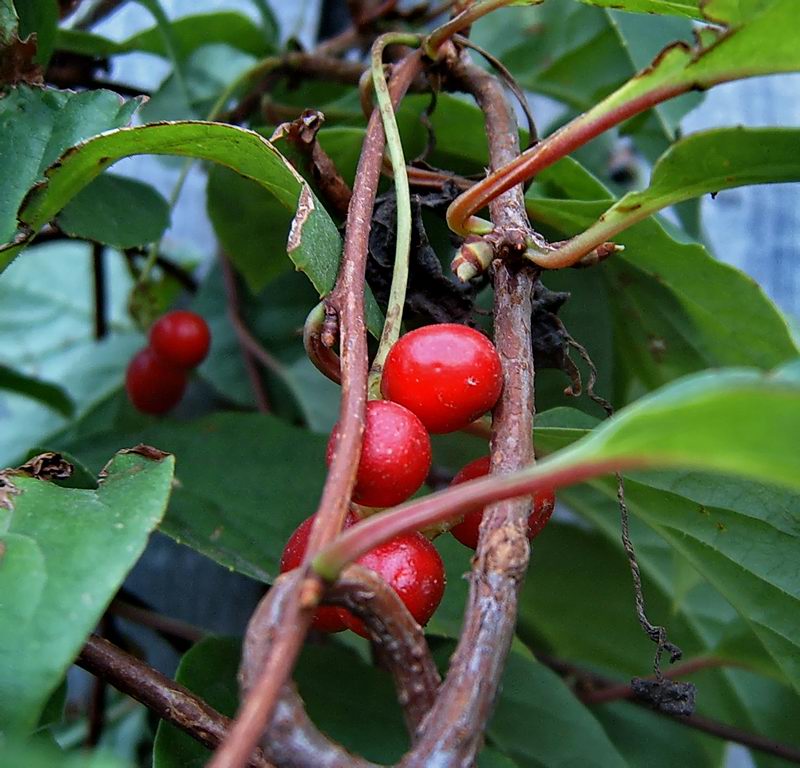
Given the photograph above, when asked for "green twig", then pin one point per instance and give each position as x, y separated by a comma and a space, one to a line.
397, 294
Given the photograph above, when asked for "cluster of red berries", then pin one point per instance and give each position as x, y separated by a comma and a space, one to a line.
436, 379
157, 375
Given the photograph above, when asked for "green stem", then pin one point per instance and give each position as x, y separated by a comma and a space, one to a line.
397, 294
458, 500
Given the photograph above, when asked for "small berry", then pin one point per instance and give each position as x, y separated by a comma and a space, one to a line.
327, 618
448, 375
467, 530
395, 455
153, 385
182, 338
411, 566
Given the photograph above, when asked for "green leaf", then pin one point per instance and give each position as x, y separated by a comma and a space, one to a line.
50, 394
65, 553
579, 55
675, 308
538, 720
46, 332
208, 669
40, 18
762, 44
250, 224
117, 211
688, 8
648, 740
9, 22
705, 162
189, 33
40, 754
245, 531
314, 244
559, 614
36, 126
329, 678
735, 421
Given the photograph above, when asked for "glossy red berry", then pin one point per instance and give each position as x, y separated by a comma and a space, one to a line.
448, 375
411, 566
327, 618
467, 530
153, 385
395, 455
181, 338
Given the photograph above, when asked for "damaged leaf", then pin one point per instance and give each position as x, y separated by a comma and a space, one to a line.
67, 551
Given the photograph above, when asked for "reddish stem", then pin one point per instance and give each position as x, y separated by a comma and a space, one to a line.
567, 139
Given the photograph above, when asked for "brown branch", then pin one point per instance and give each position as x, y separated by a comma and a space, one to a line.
288, 607
164, 625
100, 291
166, 698
453, 731
625, 690
252, 350
397, 639
588, 685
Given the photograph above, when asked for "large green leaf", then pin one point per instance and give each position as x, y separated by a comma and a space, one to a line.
314, 244
65, 552
704, 162
579, 55
332, 681
675, 308
760, 41
251, 225
46, 332
190, 33
208, 669
40, 18
735, 421
744, 546
538, 720
117, 211
36, 126
688, 8
50, 394
260, 456
40, 754
698, 617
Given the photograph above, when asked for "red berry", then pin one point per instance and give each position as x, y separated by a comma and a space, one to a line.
448, 375
395, 455
467, 530
411, 566
327, 618
182, 338
153, 385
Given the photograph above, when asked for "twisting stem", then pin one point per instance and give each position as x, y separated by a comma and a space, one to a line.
398, 639
397, 293
290, 603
